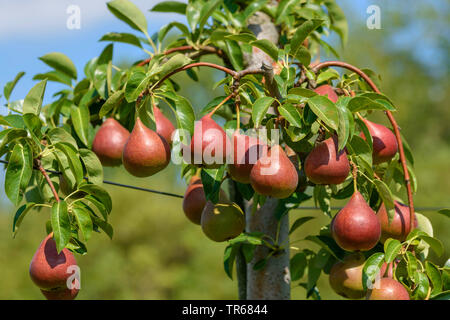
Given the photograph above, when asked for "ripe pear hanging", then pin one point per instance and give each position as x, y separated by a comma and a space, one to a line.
194, 200
50, 270
109, 142
356, 227
210, 144
387, 289
400, 225
325, 165
246, 151
327, 90
274, 174
164, 127
222, 221
384, 142
145, 152
346, 277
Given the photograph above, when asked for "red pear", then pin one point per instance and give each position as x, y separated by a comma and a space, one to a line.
49, 269
246, 151
209, 143
62, 293
356, 227
400, 225
222, 221
145, 152
384, 142
388, 289
164, 127
327, 90
274, 174
325, 165
194, 200
346, 277
109, 142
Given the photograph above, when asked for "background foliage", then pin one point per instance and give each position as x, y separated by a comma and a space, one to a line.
157, 254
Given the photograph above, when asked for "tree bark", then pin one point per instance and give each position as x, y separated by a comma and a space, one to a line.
272, 281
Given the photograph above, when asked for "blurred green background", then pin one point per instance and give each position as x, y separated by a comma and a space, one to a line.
157, 253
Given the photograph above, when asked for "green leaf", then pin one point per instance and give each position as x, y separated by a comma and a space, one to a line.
434, 243
392, 248
10, 135
98, 193
421, 290
111, 103
229, 256
135, 85
297, 266
20, 214
80, 121
123, 38
60, 62
73, 159
9, 86
193, 10
235, 54
359, 147
242, 37
411, 264
346, 122
283, 9
54, 76
361, 103
301, 34
325, 110
18, 172
338, 20
371, 269
445, 212
177, 61
291, 114
60, 224
266, 46
328, 244
299, 222
34, 98
260, 108
34, 125
130, 14
315, 267
60, 135
435, 277
84, 221
93, 166
211, 180
386, 196
206, 12
442, 296
170, 6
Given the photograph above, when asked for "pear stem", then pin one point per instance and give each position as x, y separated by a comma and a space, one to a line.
355, 175
220, 104
391, 118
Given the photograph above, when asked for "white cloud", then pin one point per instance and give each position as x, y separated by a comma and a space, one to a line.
32, 17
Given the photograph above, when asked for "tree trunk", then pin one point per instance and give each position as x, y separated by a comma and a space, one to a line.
272, 281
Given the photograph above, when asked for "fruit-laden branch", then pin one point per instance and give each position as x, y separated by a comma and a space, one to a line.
38, 164
391, 118
201, 51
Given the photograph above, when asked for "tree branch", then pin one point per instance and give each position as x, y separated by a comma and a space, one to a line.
38, 164
391, 118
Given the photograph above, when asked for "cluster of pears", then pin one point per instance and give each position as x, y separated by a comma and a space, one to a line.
268, 169
51, 270
346, 279
143, 153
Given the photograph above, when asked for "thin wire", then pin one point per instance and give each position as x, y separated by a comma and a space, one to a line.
118, 184
180, 196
